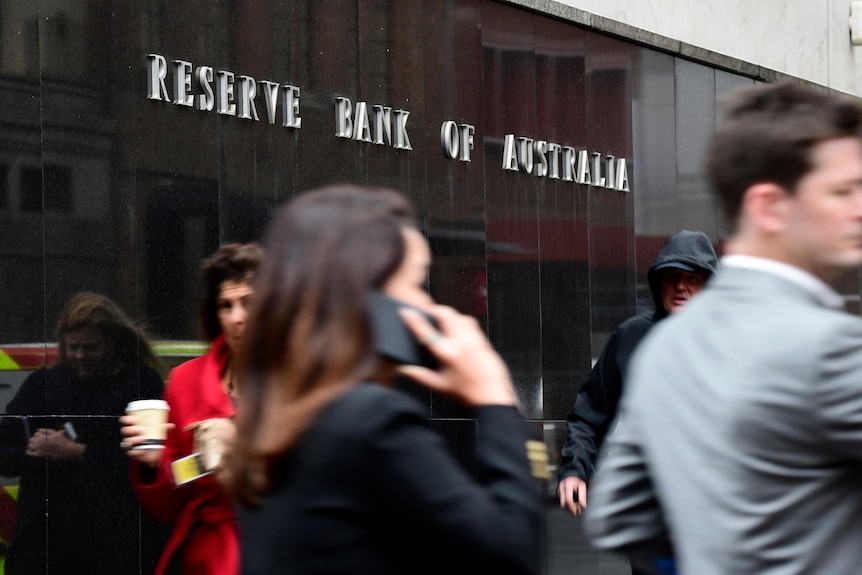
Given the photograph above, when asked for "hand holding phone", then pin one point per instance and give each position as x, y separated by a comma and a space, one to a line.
470, 370
392, 339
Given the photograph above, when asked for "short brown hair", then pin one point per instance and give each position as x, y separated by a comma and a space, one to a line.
767, 135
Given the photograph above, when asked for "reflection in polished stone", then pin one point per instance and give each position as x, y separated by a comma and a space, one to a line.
60, 450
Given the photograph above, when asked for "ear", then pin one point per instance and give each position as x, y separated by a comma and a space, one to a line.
766, 206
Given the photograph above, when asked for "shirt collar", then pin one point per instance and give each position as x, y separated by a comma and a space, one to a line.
828, 296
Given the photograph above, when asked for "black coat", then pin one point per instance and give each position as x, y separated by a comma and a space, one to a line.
371, 488
77, 516
598, 399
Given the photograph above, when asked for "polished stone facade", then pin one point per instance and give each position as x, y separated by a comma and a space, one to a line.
105, 189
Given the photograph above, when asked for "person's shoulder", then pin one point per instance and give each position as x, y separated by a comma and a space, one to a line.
834, 328
39, 379
637, 325
146, 377
644, 318
188, 369
374, 396
45, 375
184, 379
140, 370
372, 405
39, 385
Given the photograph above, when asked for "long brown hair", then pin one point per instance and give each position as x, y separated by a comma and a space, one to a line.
127, 342
309, 339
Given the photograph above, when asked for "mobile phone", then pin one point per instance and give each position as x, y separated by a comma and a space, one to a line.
392, 338
70, 432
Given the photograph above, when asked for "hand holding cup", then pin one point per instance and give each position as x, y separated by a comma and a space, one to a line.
144, 429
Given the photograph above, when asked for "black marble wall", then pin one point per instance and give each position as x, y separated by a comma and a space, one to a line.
104, 189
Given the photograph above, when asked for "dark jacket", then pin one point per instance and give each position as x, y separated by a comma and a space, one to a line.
77, 516
372, 488
597, 400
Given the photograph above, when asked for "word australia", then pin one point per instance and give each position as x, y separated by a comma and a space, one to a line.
549, 160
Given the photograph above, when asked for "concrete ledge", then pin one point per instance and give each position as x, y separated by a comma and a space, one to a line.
556, 9
657, 41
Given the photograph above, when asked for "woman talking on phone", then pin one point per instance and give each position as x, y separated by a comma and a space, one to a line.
336, 471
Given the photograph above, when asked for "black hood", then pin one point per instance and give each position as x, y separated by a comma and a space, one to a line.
687, 250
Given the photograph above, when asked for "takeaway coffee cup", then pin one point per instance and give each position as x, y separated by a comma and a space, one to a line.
152, 414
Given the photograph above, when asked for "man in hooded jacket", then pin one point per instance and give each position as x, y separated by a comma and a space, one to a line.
682, 267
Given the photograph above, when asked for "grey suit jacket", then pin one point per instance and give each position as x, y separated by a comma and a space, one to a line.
741, 434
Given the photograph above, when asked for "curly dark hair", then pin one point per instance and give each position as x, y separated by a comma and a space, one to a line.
232, 262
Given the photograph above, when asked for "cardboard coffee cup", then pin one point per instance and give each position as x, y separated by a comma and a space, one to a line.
152, 414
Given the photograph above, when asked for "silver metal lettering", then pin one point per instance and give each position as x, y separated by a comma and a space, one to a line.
554, 160
206, 99
158, 69
610, 179
222, 97
570, 158
361, 128
382, 124
270, 98
584, 176
467, 132
290, 106
402, 141
598, 179
525, 155
224, 93
449, 139
247, 92
183, 83
622, 176
510, 158
540, 147
343, 122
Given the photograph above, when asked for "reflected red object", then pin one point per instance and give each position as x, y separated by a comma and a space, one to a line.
8, 515
31, 356
479, 294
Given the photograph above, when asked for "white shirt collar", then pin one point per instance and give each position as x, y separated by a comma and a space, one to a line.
800, 277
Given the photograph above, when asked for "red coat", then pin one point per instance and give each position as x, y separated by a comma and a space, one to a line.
205, 525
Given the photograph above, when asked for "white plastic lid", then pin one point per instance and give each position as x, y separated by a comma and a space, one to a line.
147, 404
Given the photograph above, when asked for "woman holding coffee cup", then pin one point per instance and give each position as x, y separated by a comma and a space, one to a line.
173, 480
336, 470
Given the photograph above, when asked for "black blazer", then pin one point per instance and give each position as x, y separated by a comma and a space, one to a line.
372, 489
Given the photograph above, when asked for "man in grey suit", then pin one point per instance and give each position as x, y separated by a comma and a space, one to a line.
740, 433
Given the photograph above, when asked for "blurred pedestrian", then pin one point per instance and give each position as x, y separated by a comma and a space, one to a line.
741, 426
335, 470
681, 269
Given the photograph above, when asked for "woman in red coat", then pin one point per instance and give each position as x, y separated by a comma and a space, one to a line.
204, 539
